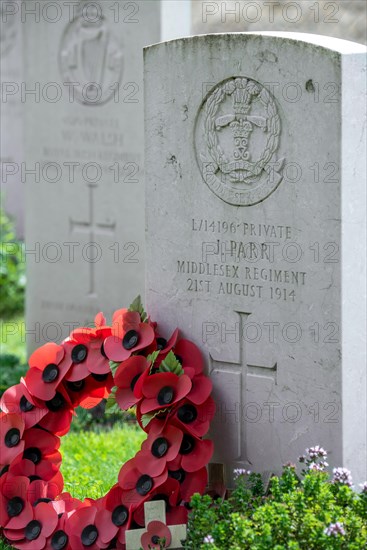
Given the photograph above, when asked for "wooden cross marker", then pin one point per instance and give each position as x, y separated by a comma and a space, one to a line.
155, 511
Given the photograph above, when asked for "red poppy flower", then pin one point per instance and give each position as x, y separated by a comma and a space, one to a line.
190, 482
129, 335
164, 346
194, 418
11, 433
157, 536
163, 390
15, 505
136, 485
119, 515
59, 540
157, 450
201, 386
188, 417
18, 400
90, 391
125, 379
59, 415
34, 535
50, 474
169, 492
86, 352
86, 527
189, 355
41, 448
194, 454
48, 365
65, 503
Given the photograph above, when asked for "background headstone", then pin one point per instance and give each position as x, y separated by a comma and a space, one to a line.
84, 156
344, 19
256, 210
11, 121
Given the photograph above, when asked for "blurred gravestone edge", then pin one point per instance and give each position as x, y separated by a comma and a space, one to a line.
84, 142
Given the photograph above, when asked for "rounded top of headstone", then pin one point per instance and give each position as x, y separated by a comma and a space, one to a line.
325, 42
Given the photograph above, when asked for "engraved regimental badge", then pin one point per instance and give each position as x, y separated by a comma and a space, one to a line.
237, 135
90, 56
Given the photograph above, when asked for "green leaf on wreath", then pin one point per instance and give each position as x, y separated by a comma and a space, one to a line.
114, 366
171, 364
137, 305
146, 418
152, 359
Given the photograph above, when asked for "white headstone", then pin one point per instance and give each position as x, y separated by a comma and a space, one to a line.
84, 143
256, 211
11, 127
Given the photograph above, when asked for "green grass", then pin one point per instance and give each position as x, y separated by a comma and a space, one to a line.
91, 461
12, 337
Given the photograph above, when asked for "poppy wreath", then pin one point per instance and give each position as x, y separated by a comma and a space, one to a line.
132, 365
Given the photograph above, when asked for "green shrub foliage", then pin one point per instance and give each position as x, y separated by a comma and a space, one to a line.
12, 270
312, 511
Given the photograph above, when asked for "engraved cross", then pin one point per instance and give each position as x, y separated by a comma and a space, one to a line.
242, 369
93, 229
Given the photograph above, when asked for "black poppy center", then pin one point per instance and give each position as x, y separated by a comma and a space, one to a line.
103, 351
120, 515
155, 539
15, 507
79, 353
12, 437
76, 386
161, 343
89, 535
33, 454
59, 540
50, 373
187, 414
187, 445
25, 405
144, 485
33, 530
99, 377
4, 470
160, 447
39, 500
166, 395
179, 475
56, 403
130, 339
134, 381
34, 478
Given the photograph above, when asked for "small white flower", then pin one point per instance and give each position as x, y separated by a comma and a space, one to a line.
208, 539
364, 487
317, 467
343, 476
241, 472
335, 529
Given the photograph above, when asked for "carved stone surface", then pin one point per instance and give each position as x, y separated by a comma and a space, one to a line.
11, 108
84, 144
255, 168
237, 136
85, 214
